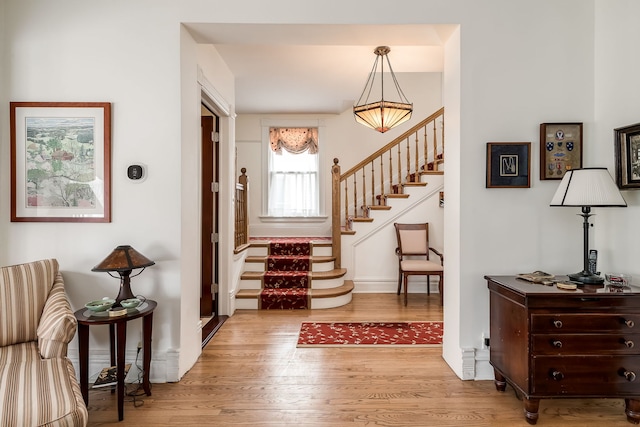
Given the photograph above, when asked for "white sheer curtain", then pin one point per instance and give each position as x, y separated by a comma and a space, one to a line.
293, 184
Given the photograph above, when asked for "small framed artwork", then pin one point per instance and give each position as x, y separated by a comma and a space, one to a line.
560, 149
627, 153
60, 161
508, 164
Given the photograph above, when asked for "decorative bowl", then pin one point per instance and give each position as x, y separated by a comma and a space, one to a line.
100, 305
130, 303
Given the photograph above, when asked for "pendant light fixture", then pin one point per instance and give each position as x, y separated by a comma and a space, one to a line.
382, 115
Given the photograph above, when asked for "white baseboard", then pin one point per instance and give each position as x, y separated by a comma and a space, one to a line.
377, 286
164, 365
475, 364
484, 370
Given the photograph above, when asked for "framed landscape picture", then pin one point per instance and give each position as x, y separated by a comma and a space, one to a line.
627, 153
560, 149
60, 161
508, 164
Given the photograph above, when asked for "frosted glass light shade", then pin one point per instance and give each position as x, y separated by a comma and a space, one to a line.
383, 115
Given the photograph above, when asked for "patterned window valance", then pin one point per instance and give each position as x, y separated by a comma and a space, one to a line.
294, 140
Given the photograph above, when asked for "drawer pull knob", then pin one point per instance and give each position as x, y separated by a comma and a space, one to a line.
629, 375
629, 323
557, 343
557, 375
628, 343
557, 324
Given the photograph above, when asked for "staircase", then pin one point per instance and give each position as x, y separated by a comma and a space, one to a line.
384, 175
273, 280
398, 171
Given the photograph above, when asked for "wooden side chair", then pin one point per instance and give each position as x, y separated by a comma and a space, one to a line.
413, 256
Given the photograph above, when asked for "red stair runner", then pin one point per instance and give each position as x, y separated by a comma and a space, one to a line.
286, 282
288, 263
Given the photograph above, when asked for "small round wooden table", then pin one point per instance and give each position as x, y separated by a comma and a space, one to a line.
117, 327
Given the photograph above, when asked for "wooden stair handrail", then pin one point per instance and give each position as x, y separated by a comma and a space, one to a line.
392, 144
351, 208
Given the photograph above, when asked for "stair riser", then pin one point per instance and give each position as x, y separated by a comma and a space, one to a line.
322, 266
327, 283
246, 303
250, 284
320, 303
258, 251
321, 250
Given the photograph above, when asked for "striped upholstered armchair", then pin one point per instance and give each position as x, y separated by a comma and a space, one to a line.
38, 386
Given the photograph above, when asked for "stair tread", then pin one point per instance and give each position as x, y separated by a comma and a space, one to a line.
318, 275
415, 184
362, 219
379, 207
263, 258
259, 242
396, 196
344, 289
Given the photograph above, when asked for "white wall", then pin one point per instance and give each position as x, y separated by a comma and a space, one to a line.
616, 105
521, 64
73, 51
4, 114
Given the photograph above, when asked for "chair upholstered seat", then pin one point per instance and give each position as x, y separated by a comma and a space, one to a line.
420, 265
23, 352
42, 392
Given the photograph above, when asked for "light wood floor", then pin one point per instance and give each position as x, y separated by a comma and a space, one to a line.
251, 373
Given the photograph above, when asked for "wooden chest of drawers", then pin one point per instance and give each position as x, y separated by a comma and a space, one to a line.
553, 343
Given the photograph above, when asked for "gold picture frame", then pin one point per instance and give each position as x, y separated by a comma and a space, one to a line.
560, 149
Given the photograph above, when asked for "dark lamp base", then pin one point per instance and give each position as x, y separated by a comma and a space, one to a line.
586, 277
125, 291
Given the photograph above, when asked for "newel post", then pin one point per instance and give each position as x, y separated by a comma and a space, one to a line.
336, 234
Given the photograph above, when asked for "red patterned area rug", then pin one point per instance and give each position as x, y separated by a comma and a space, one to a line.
359, 334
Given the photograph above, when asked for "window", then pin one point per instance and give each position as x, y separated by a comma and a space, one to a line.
293, 185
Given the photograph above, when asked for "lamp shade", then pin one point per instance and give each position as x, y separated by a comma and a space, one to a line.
591, 187
382, 115
123, 258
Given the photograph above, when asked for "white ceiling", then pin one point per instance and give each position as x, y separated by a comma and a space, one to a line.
315, 68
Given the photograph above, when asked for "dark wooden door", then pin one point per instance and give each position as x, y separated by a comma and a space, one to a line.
209, 214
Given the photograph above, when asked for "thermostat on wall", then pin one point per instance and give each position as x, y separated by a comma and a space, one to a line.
136, 173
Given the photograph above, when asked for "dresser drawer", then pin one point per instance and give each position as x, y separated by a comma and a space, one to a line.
586, 376
585, 344
585, 322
